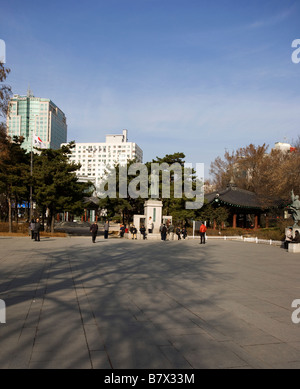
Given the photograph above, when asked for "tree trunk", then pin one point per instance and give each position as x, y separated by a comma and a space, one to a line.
52, 221
16, 211
43, 217
9, 214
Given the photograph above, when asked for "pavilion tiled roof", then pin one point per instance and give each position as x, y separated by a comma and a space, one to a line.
234, 197
94, 201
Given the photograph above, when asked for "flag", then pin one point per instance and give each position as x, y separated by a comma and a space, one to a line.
37, 142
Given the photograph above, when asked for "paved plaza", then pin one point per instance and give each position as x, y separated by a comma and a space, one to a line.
122, 304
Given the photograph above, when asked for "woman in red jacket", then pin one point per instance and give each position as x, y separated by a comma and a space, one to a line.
203, 230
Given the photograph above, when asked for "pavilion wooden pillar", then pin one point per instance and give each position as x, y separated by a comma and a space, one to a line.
244, 220
255, 221
267, 221
234, 220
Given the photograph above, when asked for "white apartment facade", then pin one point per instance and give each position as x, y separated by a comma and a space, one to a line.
95, 158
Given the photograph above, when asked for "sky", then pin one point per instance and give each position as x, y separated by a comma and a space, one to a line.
194, 76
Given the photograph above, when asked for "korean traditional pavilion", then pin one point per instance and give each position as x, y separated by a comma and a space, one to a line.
240, 202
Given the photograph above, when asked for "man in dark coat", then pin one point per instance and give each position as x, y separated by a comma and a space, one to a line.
94, 230
143, 231
297, 237
37, 227
163, 232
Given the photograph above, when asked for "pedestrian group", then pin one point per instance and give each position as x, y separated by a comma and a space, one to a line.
290, 239
167, 231
35, 227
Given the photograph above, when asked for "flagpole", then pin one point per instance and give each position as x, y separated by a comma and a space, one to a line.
31, 174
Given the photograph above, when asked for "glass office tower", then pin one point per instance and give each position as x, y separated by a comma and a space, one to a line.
30, 115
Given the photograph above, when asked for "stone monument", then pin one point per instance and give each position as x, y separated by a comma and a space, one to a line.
152, 210
295, 209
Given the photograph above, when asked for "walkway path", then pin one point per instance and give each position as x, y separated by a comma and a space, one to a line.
156, 305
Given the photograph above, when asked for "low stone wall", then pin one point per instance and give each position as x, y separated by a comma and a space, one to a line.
294, 248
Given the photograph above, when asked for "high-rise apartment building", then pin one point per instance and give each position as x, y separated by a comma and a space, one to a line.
284, 147
96, 157
30, 115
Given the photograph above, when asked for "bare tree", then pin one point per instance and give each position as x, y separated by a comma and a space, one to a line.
5, 91
272, 176
242, 166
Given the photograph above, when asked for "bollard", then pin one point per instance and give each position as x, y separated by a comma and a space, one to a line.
2, 312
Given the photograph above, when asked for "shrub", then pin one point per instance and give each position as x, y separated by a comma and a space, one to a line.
22, 228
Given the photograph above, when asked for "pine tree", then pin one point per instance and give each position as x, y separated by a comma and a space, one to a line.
56, 186
14, 173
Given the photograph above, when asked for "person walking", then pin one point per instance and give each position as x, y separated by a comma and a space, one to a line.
203, 230
32, 225
160, 230
184, 232
94, 231
171, 232
106, 229
163, 232
177, 231
37, 227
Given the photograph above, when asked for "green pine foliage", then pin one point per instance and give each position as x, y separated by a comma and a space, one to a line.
14, 174
172, 206
56, 186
